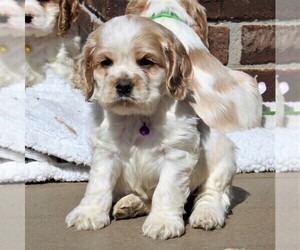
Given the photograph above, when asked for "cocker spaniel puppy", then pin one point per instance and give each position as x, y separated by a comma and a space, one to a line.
151, 151
225, 99
52, 42
12, 31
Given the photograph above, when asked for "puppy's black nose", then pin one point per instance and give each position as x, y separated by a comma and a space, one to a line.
28, 18
3, 19
124, 87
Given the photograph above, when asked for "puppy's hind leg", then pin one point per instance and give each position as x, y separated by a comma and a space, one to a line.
213, 201
130, 206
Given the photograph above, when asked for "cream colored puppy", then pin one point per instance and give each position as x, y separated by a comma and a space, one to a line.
148, 146
225, 99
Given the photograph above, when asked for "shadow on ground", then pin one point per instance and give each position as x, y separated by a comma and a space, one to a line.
238, 195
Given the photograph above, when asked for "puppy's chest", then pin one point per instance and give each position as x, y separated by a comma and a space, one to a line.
137, 141
141, 158
147, 153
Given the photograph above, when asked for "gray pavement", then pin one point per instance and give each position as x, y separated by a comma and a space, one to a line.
250, 226
265, 216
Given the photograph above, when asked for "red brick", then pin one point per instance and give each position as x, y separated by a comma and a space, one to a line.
258, 43
218, 38
287, 44
248, 9
216, 9
268, 77
110, 9
213, 8
239, 9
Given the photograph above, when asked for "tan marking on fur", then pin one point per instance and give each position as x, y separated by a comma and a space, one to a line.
197, 12
136, 7
224, 82
49, 4
225, 114
152, 49
69, 10
227, 118
214, 109
180, 70
86, 64
178, 63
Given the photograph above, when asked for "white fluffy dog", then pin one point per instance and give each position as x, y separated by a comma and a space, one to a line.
225, 99
11, 42
51, 39
148, 148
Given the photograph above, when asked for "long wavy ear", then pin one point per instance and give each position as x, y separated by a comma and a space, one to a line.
136, 7
86, 67
180, 70
69, 10
198, 13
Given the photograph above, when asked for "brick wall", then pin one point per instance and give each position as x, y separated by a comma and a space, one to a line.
242, 36
250, 32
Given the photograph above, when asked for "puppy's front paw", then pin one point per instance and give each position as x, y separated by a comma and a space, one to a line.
87, 218
163, 226
207, 217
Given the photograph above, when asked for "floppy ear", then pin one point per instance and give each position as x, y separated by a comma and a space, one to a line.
179, 70
86, 68
197, 12
69, 10
136, 7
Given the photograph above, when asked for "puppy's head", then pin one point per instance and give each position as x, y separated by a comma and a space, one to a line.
42, 17
192, 7
131, 62
11, 18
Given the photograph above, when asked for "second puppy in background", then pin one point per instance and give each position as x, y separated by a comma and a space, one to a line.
225, 99
52, 39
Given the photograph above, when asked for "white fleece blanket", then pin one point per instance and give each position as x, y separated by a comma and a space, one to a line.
12, 122
59, 121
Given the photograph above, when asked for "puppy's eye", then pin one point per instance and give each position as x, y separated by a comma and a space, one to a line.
145, 62
106, 63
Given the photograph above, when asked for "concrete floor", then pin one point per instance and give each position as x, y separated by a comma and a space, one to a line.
251, 226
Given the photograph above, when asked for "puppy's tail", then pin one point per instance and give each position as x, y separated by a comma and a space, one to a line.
92, 12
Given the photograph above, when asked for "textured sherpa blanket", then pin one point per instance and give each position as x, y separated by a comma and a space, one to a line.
59, 121
12, 122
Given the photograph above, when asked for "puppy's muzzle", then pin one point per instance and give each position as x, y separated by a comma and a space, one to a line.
28, 18
3, 19
124, 87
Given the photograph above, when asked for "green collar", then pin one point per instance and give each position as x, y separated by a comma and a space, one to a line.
167, 14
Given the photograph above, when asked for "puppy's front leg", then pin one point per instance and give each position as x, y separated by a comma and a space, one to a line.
165, 219
93, 211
